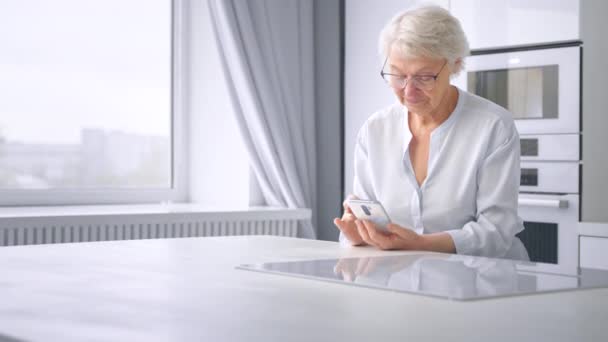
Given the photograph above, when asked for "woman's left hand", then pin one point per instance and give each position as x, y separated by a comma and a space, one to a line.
397, 238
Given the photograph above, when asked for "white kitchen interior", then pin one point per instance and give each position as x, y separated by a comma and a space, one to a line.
569, 159
200, 150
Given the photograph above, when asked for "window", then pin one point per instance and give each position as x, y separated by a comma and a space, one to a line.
87, 112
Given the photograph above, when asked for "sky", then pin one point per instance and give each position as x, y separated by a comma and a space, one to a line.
66, 65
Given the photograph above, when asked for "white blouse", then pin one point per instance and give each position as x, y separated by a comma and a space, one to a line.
472, 182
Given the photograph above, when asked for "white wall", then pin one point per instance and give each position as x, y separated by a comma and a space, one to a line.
219, 167
364, 90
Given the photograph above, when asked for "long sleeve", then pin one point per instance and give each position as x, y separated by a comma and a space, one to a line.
497, 222
362, 186
362, 182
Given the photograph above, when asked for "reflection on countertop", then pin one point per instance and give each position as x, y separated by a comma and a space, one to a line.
457, 277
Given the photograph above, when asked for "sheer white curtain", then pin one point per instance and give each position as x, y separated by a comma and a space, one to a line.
267, 53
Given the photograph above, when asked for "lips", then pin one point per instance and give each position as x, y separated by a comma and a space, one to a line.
414, 101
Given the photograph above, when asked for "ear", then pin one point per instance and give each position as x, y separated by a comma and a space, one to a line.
457, 64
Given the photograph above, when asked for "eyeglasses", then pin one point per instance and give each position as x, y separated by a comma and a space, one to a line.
422, 82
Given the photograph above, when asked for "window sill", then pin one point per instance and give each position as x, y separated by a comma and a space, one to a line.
182, 209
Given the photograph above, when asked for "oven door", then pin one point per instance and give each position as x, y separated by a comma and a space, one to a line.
550, 235
541, 88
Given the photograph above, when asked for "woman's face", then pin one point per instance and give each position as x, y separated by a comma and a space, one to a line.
423, 94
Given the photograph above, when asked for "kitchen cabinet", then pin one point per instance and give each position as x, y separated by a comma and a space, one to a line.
594, 252
499, 23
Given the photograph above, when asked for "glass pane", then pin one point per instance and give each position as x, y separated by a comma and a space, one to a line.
529, 93
86, 94
540, 240
529, 177
450, 276
529, 147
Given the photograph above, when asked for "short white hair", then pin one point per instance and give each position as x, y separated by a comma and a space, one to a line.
428, 31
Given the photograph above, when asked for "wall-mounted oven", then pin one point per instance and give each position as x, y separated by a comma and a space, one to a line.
541, 87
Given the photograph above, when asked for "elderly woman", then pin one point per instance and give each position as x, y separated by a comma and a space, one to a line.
444, 163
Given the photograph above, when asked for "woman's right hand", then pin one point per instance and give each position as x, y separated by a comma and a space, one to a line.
347, 225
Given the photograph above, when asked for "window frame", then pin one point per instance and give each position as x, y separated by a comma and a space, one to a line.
179, 143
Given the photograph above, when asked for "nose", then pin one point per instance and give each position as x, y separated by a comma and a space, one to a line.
410, 89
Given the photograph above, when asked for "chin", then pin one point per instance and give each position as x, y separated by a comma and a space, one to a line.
420, 106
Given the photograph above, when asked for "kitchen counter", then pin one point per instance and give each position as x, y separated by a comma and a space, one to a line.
189, 289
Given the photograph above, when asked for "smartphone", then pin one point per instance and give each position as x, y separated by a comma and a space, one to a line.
371, 211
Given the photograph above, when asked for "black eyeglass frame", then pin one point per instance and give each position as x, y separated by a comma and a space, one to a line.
382, 73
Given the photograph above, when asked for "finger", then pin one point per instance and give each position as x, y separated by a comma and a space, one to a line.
350, 197
338, 223
363, 233
361, 266
349, 229
347, 209
348, 216
348, 276
343, 225
370, 266
338, 267
381, 239
345, 204
346, 269
342, 269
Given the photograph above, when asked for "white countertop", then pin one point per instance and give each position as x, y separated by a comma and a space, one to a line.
189, 289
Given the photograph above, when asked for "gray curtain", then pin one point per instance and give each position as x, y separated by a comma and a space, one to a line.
267, 53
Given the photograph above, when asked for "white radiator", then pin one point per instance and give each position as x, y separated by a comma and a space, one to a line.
175, 222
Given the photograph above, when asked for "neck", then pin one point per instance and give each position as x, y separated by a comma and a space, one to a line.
428, 122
